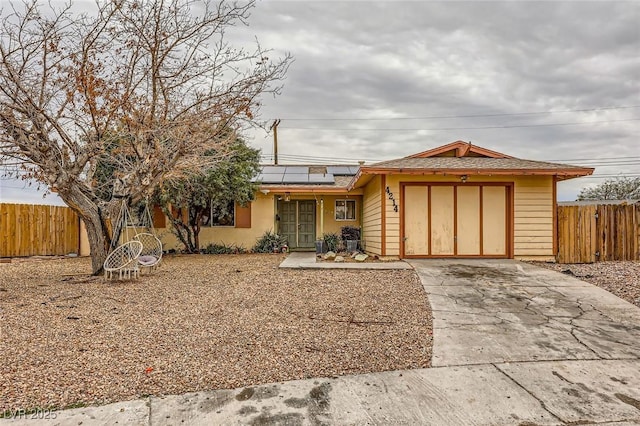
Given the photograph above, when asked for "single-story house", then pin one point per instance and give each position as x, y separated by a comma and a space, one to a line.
457, 200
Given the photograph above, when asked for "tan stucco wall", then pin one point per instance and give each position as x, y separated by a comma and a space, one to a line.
263, 212
533, 211
262, 220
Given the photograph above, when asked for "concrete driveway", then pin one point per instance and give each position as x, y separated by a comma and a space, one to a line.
508, 311
513, 345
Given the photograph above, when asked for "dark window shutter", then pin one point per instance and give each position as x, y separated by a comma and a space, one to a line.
243, 216
159, 221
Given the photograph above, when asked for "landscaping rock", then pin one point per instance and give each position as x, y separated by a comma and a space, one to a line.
339, 259
354, 254
117, 361
361, 257
329, 255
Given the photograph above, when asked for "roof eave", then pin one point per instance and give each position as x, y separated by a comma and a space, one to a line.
462, 148
561, 173
309, 189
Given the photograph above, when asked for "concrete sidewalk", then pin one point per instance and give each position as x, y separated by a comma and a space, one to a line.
307, 260
513, 344
541, 393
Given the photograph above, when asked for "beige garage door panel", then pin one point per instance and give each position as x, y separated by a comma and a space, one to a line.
442, 214
494, 219
468, 220
415, 220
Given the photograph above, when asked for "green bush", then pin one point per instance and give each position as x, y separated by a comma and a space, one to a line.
350, 233
331, 240
223, 248
268, 242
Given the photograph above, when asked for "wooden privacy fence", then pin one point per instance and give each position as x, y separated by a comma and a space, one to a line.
588, 234
30, 230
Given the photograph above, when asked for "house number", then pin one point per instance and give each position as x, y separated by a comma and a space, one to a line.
393, 200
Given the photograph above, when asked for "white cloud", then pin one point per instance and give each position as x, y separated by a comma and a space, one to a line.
415, 59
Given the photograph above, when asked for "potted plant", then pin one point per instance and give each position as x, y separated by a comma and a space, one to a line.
331, 241
351, 237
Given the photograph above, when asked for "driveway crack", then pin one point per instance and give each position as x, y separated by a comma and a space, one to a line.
149, 411
541, 402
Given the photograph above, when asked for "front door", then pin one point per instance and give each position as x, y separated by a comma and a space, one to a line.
298, 222
306, 223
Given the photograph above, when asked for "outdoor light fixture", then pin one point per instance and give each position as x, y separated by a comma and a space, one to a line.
463, 178
287, 196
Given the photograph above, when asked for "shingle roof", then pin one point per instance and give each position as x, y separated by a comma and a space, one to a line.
471, 163
340, 182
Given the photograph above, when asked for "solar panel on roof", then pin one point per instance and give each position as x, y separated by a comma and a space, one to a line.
296, 178
272, 169
339, 170
297, 169
353, 169
270, 178
321, 178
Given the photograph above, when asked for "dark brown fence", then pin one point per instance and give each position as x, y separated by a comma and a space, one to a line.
30, 230
588, 234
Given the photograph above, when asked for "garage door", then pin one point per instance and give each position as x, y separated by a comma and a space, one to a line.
463, 220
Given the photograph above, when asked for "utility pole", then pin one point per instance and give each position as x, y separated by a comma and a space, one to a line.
274, 127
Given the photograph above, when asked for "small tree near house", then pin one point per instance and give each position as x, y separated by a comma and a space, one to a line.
200, 196
147, 87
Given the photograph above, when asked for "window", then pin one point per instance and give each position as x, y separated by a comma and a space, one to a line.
345, 209
220, 216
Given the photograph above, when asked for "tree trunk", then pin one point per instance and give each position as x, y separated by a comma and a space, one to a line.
99, 220
97, 243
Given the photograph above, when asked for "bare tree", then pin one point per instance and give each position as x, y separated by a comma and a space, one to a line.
147, 86
619, 188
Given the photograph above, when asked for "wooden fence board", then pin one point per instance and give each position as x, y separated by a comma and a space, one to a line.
30, 230
589, 234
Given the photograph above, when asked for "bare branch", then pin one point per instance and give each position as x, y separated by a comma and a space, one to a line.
146, 87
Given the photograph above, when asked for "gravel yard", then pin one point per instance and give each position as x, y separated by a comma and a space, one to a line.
200, 322
619, 278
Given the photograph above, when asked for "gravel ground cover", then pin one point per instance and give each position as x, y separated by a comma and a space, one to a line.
200, 322
620, 278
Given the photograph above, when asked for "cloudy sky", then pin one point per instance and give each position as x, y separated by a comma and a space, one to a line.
556, 81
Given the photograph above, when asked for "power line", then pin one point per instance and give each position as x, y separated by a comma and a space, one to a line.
611, 162
610, 176
597, 159
434, 117
515, 126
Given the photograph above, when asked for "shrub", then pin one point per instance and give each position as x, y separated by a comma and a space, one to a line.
350, 233
331, 239
268, 242
223, 248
